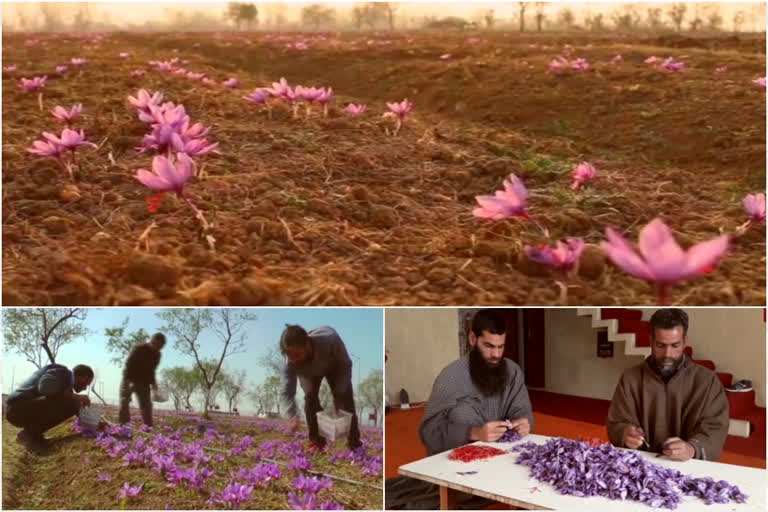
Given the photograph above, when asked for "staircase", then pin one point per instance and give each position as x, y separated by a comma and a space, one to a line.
628, 326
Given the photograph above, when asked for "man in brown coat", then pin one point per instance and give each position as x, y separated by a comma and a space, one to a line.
669, 404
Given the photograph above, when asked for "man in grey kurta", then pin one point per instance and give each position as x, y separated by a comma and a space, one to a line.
464, 406
476, 398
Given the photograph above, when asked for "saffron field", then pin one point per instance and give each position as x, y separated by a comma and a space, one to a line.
251, 191
188, 463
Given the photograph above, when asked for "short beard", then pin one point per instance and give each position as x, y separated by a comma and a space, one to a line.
490, 380
667, 371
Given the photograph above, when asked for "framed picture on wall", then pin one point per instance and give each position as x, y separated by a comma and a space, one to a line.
604, 347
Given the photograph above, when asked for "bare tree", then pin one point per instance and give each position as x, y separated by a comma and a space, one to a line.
626, 18
522, 6
713, 17
566, 18
371, 391
653, 18
676, 13
489, 18
186, 326
317, 14
232, 385
38, 332
181, 384
540, 16
738, 21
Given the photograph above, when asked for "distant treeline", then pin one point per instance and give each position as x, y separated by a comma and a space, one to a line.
526, 17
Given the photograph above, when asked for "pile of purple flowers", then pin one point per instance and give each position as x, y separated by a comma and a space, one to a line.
575, 468
510, 436
232, 496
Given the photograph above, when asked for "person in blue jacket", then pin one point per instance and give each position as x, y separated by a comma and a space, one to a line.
46, 399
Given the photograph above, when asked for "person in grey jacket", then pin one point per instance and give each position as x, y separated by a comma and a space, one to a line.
46, 399
313, 356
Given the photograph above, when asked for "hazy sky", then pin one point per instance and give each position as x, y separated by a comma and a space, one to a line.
361, 330
131, 13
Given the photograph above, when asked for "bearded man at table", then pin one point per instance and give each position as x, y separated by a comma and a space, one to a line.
480, 396
669, 404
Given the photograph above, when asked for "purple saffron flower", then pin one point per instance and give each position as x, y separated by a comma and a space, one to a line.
303, 501
78, 61
235, 494
355, 109
331, 505
10, 69
124, 55
580, 65
69, 139
759, 82
312, 484
582, 173
60, 70
672, 65
232, 83
400, 109
562, 257
46, 149
128, 491
34, 84
510, 202
299, 463
167, 175
65, 115
258, 96
661, 260
143, 100
755, 206
104, 477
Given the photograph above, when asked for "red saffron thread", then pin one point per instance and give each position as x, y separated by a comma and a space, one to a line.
472, 453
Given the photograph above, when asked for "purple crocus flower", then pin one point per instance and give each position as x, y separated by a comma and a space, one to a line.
661, 260
144, 100
581, 174
232, 83
168, 175
562, 257
104, 477
124, 55
129, 491
10, 69
303, 501
580, 65
759, 82
195, 76
46, 149
299, 463
355, 109
510, 202
193, 147
60, 70
400, 109
312, 484
672, 65
33, 84
65, 115
69, 139
755, 206
258, 96
78, 61
235, 494
617, 59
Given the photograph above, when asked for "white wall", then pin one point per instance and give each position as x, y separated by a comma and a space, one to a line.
572, 365
421, 342
734, 338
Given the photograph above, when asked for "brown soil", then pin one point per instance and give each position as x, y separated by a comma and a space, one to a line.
335, 211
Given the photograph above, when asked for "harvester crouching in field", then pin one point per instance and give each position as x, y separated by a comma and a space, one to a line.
139, 376
46, 399
312, 356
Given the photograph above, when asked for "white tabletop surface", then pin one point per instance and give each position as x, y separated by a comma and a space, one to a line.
502, 479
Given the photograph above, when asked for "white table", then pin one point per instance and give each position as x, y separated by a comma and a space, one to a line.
501, 479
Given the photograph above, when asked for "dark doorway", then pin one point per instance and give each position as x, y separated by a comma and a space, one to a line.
533, 347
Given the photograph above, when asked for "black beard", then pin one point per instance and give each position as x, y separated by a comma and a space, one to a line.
79, 387
490, 380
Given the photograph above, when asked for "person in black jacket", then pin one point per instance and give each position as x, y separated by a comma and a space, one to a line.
312, 356
138, 376
46, 399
